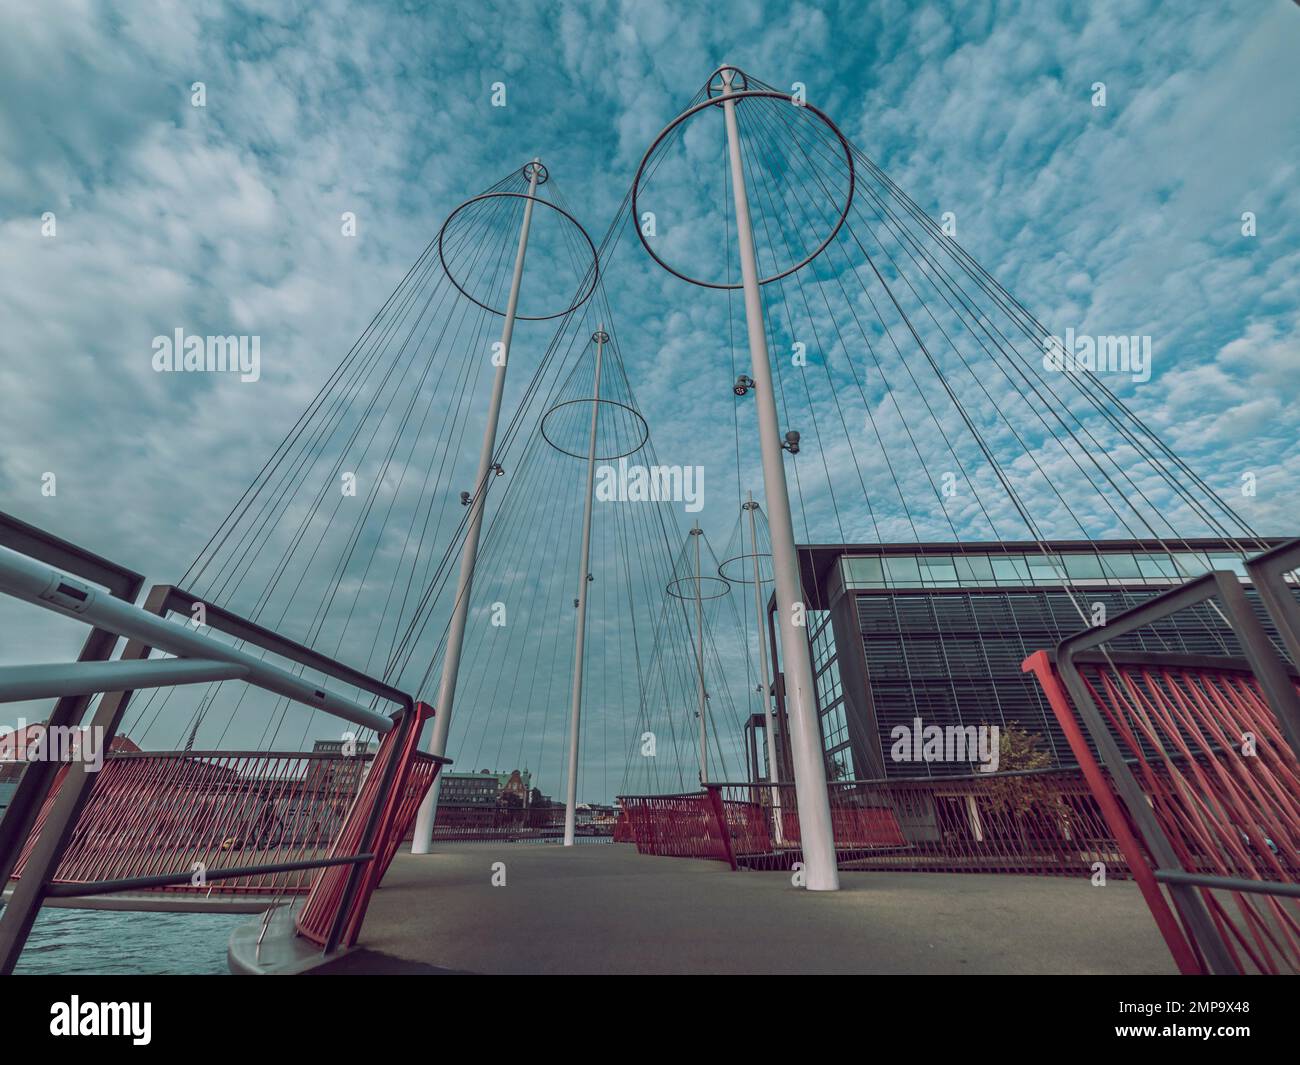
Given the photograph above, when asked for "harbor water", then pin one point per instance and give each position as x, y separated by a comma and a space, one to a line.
123, 943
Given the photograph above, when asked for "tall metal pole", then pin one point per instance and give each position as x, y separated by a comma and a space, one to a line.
698, 533
423, 835
816, 836
770, 728
579, 638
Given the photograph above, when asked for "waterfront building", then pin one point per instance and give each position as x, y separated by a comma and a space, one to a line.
938, 632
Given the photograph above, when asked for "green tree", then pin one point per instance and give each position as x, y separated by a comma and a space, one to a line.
1019, 796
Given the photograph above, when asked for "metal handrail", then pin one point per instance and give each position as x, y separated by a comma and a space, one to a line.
44, 586
26, 573
139, 883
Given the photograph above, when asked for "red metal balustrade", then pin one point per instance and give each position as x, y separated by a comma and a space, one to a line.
156, 813
677, 826
1043, 823
424, 770
622, 828
159, 813
1206, 751
340, 895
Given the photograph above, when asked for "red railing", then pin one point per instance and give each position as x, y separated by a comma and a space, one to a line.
154, 813
1041, 823
389, 797
678, 826
623, 828
867, 826
1207, 754
747, 825
423, 772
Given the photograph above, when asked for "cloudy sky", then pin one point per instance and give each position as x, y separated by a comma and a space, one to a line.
225, 218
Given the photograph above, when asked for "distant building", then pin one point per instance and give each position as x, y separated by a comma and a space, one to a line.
598, 817
335, 774
485, 800
12, 743
469, 789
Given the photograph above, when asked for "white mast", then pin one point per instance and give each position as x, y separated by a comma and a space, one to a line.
584, 566
698, 533
423, 834
816, 835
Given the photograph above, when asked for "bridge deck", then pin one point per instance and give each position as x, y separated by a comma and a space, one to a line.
607, 909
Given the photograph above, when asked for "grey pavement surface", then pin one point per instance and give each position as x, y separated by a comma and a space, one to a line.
607, 909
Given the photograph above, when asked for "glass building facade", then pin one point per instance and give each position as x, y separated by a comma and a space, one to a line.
938, 632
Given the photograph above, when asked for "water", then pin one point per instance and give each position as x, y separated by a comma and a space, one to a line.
116, 942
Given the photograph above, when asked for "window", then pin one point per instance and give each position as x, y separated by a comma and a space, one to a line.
1010, 569
903, 571
1232, 563
1154, 566
1045, 569
974, 569
1122, 565
1194, 563
938, 570
1084, 567
863, 571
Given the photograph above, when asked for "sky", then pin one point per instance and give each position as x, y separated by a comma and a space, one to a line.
226, 218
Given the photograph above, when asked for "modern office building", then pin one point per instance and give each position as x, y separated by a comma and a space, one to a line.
938, 632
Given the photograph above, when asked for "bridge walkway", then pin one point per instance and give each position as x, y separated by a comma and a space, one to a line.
603, 908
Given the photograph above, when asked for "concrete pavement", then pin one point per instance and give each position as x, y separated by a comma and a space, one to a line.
606, 909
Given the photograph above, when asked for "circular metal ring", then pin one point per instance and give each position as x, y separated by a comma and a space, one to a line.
600, 337
645, 429
595, 259
704, 580
744, 81
722, 566
536, 167
750, 94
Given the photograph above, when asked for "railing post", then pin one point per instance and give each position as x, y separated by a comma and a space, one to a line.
1268, 573
1039, 664
402, 742
714, 793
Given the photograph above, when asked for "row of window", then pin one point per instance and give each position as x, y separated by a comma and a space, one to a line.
954, 571
830, 697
